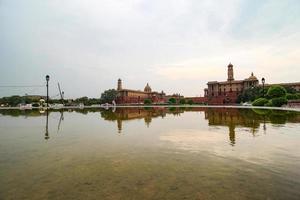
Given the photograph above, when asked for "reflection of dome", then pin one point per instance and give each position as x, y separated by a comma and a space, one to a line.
147, 88
148, 120
252, 77
230, 65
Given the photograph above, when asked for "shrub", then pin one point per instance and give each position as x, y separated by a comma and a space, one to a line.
279, 101
250, 94
261, 111
260, 102
190, 102
172, 100
290, 89
182, 101
147, 101
106, 97
291, 96
276, 91
269, 104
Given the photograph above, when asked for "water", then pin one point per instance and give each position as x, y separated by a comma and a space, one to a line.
150, 153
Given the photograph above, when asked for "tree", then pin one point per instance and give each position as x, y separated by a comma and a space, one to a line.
182, 101
147, 101
190, 102
276, 91
260, 102
83, 100
12, 100
292, 96
250, 94
290, 90
172, 100
279, 101
109, 95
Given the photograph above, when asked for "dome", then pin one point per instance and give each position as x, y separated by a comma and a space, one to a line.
147, 88
252, 77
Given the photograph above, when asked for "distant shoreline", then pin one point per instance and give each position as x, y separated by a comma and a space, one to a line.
167, 106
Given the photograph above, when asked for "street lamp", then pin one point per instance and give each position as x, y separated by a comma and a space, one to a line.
263, 82
47, 79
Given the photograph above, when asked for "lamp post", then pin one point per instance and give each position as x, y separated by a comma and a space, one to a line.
47, 85
263, 82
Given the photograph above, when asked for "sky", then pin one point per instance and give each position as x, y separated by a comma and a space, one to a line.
175, 46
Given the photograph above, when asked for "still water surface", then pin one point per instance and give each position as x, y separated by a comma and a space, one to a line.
150, 153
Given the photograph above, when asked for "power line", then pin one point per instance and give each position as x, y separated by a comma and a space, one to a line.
20, 86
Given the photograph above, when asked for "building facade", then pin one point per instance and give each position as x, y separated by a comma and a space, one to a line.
226, 92
129, 96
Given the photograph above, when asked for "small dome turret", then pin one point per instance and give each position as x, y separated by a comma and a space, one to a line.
147, 88
252, 77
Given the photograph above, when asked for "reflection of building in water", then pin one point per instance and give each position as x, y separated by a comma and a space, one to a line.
148, 120
119, 123
232, 118
127, 114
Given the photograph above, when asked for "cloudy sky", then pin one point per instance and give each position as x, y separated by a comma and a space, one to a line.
176, 46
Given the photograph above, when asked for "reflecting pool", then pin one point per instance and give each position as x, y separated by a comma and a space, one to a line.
150, 153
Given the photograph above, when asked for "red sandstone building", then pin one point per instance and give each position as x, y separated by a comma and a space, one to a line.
128, 96
226, 92
217, 93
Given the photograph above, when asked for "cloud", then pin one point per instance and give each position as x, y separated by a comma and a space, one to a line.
187, 41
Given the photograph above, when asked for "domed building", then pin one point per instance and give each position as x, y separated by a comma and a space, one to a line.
226, 92
147, 88
129, 96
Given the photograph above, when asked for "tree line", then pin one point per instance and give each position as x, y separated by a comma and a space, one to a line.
106, 97
275, 95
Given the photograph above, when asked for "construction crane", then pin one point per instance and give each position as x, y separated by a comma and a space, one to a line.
61, 111
61, 94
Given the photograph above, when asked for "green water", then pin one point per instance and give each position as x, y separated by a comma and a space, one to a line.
150, 153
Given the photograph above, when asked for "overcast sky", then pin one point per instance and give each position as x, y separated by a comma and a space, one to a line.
176, 46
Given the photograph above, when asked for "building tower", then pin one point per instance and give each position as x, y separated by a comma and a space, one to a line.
147, 88
230, 72
119, 84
